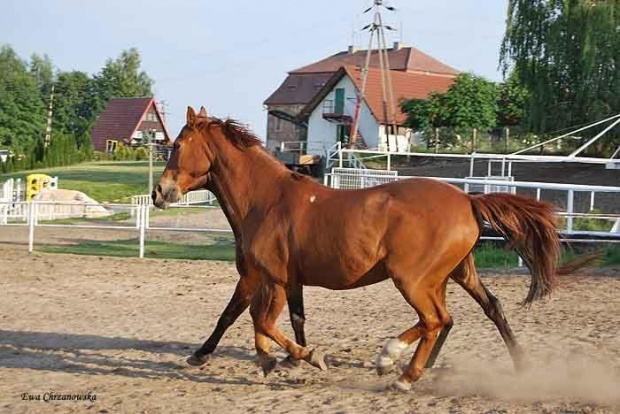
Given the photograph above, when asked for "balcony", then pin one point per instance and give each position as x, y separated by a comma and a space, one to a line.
335, 114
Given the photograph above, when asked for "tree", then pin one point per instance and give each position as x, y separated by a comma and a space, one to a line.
122, 78
74, 106
512, 101
22, 112
566, 53
42, 71
471, 102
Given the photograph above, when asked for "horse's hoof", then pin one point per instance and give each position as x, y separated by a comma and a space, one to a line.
198, 361
268, 363
316, 359
384, 369
290, 363
401, 386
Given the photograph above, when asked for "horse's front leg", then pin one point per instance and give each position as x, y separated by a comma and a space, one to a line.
266, 307
245, 290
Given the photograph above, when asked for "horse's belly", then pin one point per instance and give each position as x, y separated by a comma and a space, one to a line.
341, 272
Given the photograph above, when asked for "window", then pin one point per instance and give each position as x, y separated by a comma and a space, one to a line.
110, 146
159, 136
151, 117
278, 124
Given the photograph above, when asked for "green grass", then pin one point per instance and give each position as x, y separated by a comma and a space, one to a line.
104, 181
493, 257
223, 250
487, 255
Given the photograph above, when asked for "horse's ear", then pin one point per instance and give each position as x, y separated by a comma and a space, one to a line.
202, 113
191, 116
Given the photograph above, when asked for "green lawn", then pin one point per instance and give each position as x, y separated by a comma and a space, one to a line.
220, 250
490, 256
104, 181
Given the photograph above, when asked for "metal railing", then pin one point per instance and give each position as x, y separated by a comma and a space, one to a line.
350, 179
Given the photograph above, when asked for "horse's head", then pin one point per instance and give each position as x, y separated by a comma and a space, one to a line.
189, 163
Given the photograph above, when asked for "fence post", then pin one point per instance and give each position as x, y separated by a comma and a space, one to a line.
570, 210
339, 154
31, 223
592, 200
389, 161
142, 226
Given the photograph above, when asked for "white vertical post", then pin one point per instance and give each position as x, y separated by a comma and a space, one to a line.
570, 210
489, 167
389, 161
471, 165
142, 229
538, 191
520, 263
31, 223
339, 154
138, 215
592, 200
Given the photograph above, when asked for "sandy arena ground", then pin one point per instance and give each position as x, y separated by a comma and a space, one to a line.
121, 329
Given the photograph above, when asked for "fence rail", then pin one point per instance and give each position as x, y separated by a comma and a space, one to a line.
192, 197
139, 219
358, 178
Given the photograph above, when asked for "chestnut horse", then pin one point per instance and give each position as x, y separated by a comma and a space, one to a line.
291, 231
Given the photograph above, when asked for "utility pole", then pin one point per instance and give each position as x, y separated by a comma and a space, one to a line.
389, 109
48, 128
150, 144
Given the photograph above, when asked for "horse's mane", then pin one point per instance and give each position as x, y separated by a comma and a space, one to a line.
235, 132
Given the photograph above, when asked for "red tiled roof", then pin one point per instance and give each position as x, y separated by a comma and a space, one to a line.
406, 59
298, 88
406, 85
121, 118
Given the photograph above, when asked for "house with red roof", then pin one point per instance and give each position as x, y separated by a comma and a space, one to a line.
315, 103
330, 113
128, 121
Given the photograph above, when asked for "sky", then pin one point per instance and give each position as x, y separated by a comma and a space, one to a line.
231, 55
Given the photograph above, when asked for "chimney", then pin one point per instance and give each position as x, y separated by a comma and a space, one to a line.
398, 45
352, 49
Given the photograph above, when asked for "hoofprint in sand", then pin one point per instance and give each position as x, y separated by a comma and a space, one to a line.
121, 329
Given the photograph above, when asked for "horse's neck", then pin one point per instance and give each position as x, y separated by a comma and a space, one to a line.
246, 181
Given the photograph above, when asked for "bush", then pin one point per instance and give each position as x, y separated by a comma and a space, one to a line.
141, 154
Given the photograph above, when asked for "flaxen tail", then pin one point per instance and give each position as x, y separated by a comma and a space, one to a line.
528, 225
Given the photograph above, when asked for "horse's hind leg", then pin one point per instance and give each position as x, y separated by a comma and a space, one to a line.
443, 335
468, 278
295, 300
425, 296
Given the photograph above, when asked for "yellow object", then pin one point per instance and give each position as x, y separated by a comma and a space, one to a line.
35, 183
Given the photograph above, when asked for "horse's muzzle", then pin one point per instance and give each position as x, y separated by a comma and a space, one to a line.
165, 194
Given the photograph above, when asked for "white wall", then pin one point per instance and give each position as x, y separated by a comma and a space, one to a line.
398, 143
323, 133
